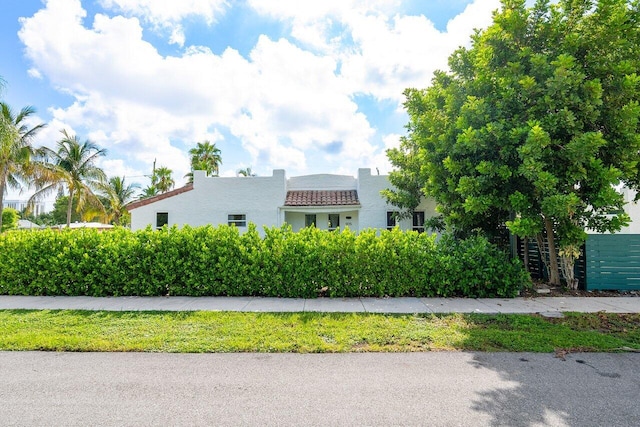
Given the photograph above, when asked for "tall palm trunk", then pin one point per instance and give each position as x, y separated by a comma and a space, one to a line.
69, 207
2, 185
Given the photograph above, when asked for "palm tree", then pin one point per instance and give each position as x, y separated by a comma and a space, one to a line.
15, 149
163, 179
71, 165
205, 156
246, 172
117, 193
149, 191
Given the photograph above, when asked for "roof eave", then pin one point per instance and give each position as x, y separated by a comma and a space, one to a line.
144, 202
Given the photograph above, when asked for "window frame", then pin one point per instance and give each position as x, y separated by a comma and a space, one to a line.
237, 220
158, 222
308, 223
418, 219
330, 226
392, 219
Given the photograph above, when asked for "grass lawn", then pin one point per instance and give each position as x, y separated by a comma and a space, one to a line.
69, 330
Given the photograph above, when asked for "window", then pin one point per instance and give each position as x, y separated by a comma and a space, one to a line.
162, 219
418, 221
391, 220
239, 220
310, 220
334, 221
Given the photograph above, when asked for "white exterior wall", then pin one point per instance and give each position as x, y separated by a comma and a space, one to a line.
214, 198
20, 205
373, 213
322, 182
348, 217
633, 209
348, 214
262, 199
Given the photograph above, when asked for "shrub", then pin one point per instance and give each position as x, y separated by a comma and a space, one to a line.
212, 261
473, 267
10, 219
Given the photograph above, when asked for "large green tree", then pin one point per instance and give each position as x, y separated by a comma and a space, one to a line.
72, 166
533, 126
59, 212
205, 156
15, 149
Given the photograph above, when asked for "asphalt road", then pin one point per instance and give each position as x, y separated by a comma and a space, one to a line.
427, 389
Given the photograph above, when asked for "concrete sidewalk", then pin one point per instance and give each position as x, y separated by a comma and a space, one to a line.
544, 305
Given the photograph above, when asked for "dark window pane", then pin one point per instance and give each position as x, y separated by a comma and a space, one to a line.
310, 220
391, 219
418, 221
334, 221
162, 219
239, 220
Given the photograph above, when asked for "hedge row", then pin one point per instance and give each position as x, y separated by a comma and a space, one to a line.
208, 261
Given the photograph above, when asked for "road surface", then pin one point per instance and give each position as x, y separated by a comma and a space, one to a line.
427, 389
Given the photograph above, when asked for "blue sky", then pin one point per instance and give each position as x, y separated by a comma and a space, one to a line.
306, 86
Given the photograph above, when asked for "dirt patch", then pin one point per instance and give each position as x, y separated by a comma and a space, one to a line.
544, 290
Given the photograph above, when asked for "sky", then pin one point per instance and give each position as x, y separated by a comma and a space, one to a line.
306, 86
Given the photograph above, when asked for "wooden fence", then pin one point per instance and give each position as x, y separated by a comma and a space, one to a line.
536, 267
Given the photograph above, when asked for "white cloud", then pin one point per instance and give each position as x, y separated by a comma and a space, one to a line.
168, 14
120, 168
33, 72
281, 103
478, 14
289, 104
381, 52
158, 11
177, 36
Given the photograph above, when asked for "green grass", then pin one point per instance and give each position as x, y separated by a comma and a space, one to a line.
65, 330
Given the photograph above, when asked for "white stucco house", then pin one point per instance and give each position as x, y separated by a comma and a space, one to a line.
327, 201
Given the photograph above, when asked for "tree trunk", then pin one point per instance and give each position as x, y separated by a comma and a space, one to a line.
554, 270
69, 208
568, 262
1, 199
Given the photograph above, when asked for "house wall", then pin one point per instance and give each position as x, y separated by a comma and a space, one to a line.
633, 210
373, 213
322, 182
214, 198
348, 218
261, 199
20, 205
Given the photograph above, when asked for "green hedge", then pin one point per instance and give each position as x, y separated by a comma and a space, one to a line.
210, 261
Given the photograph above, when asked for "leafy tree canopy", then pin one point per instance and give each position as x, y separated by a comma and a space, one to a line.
115, 194
15, 148
59, 212
205, 156
534, 125
72, 166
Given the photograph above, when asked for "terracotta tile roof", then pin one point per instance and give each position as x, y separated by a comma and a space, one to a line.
149, 200
322, 198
